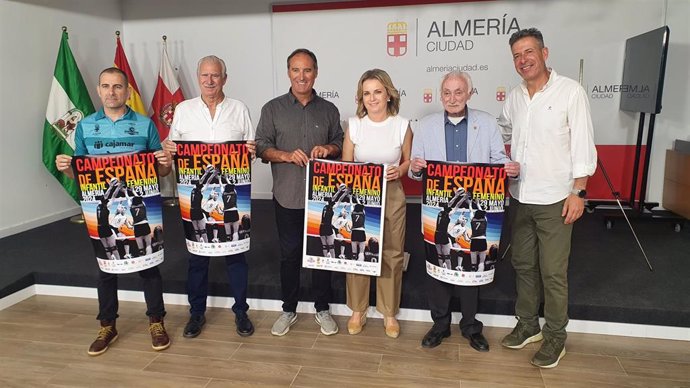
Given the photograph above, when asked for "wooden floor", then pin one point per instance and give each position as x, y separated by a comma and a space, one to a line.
43, 342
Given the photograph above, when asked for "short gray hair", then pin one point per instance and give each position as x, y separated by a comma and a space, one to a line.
212, 59
458, 74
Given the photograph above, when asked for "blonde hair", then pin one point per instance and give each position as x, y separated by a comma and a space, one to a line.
383, 77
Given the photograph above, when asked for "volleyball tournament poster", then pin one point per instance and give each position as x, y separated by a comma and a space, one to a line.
121, 203
344, 216
214, 189
462, 216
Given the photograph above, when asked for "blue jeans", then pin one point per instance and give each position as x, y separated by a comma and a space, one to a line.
197, 282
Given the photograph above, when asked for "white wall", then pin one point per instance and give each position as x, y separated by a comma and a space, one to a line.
674, 120
30, 36
239, 32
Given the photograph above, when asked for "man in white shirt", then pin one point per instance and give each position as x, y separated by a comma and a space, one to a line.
213, 117
548, 122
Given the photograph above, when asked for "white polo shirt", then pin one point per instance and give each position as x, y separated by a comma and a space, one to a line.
193, 122
551, 136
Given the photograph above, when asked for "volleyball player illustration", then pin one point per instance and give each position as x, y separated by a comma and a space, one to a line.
462, 198
358, 236
478, 244
372, 252
343, 194
157, 241
231, 216
326, 230
457, 231
196, 197
245, 227
441, 239
142, 230
105, 232
341, 224
212, 205
118, 222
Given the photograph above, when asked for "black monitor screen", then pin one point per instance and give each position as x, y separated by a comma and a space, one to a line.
643, 71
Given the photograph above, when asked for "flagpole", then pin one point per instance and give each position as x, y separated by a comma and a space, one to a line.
171, 202
79, 218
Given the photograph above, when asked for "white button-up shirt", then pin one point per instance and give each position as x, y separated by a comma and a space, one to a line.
551, 136
192, 121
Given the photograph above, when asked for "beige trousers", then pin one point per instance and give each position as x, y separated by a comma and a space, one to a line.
389, 284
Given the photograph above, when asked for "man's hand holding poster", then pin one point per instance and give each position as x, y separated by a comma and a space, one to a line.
462, 216
344, 216
214, 187
121, 203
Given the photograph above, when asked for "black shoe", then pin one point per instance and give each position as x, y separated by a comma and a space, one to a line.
434, 337
478, 342
244, 325
194, 325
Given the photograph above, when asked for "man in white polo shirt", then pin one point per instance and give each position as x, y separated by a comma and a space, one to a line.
213, 117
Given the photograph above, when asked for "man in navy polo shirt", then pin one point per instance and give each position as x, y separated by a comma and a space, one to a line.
116, 128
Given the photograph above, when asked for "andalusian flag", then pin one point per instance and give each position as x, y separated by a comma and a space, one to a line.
134, 100
68, 103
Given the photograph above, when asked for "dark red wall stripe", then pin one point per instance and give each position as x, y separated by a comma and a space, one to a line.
300, 7
618, 161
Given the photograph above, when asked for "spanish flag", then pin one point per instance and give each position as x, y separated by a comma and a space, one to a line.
121, 63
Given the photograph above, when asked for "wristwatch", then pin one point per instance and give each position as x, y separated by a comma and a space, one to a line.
579, 192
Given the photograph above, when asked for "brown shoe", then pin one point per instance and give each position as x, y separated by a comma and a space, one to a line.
355, 324
392, 327
159, 337
106, 336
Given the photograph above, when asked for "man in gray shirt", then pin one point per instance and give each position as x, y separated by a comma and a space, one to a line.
293, 128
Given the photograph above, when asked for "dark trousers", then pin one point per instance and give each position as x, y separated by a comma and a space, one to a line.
197, 282
439, 295
107, 294
290, 224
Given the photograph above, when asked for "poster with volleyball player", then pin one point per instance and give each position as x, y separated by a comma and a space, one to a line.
344, 216
121, 202
214, 187
462, 216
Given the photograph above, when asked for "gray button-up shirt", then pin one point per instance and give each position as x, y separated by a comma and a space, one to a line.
287, 125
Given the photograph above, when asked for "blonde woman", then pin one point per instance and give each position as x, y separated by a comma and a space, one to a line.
379, 135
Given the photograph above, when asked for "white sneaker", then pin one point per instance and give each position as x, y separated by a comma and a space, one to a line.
283, 323
215, 240
325, 320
